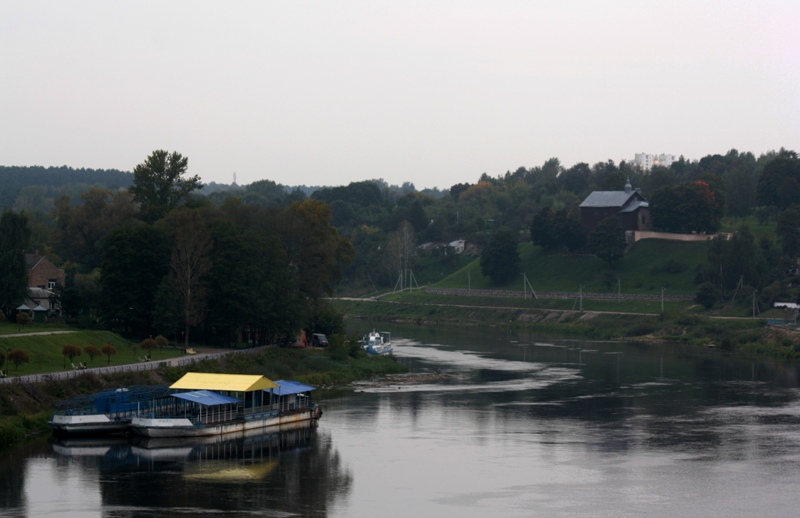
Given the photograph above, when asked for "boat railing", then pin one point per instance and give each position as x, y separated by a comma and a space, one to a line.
254, 411
299, 404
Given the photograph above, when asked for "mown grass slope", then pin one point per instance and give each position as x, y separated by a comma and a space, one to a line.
648, 265
45, 355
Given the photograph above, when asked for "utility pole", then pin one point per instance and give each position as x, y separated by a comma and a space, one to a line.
580, 294
754, 303
469, 283
662, 299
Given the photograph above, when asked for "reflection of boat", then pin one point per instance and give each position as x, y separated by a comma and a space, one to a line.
177, 445
87, 446
223, 458
217, 404
223, 472
378, 342
109, 411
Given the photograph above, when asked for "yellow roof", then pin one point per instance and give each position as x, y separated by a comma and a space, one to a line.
231, 382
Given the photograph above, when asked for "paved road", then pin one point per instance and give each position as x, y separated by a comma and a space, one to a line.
131, 367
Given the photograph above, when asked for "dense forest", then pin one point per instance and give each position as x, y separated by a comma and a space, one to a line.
155, 251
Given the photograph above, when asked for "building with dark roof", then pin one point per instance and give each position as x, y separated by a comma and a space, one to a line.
43, 277
629, 206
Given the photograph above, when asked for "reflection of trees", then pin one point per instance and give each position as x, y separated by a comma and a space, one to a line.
12, 475
295, 472
671, 397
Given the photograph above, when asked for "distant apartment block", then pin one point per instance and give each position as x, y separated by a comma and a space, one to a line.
646, 160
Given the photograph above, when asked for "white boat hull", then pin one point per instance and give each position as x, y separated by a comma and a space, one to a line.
88, 424
178, 427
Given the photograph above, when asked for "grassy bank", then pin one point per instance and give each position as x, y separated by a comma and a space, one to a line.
743, 336
25, 409
45, 355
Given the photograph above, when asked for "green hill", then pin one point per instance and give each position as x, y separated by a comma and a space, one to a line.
648, 265
44, 351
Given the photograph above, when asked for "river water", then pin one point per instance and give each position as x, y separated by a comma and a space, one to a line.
522, 425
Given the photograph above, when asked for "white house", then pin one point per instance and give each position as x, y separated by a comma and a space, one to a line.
459, 245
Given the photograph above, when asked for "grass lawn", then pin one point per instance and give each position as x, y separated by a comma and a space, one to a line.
45, 355
10, 328
758, 230
642, 270
588, 305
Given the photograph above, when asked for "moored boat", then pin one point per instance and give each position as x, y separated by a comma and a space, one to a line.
106, 412
216, 404
378, 342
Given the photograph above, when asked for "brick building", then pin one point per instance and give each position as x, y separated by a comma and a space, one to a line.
43, 276
629, 206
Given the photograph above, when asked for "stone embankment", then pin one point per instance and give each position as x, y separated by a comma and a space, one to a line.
564, 295
132, 367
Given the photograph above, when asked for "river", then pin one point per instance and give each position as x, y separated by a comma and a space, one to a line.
521, 425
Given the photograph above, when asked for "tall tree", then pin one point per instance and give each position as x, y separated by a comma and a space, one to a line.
779, 183
159, 186
80, 230
607, 241
189, 266
690, 206
135, 260
500, 259
14, 238
789, 231
315, 251
553, 228
400, 250
736, 259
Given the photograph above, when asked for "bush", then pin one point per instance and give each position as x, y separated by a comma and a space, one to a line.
641, 329
706, 295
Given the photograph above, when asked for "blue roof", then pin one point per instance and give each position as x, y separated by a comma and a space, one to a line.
290, 387
206, 397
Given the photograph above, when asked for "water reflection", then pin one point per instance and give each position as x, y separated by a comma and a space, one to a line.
522, 425
270, 474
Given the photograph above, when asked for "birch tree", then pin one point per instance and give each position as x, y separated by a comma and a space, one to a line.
189, 266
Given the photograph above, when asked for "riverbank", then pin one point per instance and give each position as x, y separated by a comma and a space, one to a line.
25, 408
751, 337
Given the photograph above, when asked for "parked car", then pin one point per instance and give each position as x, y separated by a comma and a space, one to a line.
319, 340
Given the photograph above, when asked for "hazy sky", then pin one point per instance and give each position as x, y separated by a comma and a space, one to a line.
431, 92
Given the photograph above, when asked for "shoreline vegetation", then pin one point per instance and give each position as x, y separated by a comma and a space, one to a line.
744, 336
26, 408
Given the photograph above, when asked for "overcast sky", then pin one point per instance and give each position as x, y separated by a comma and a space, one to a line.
431, 92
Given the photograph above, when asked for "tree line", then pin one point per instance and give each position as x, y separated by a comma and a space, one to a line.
384, 224
153, 259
